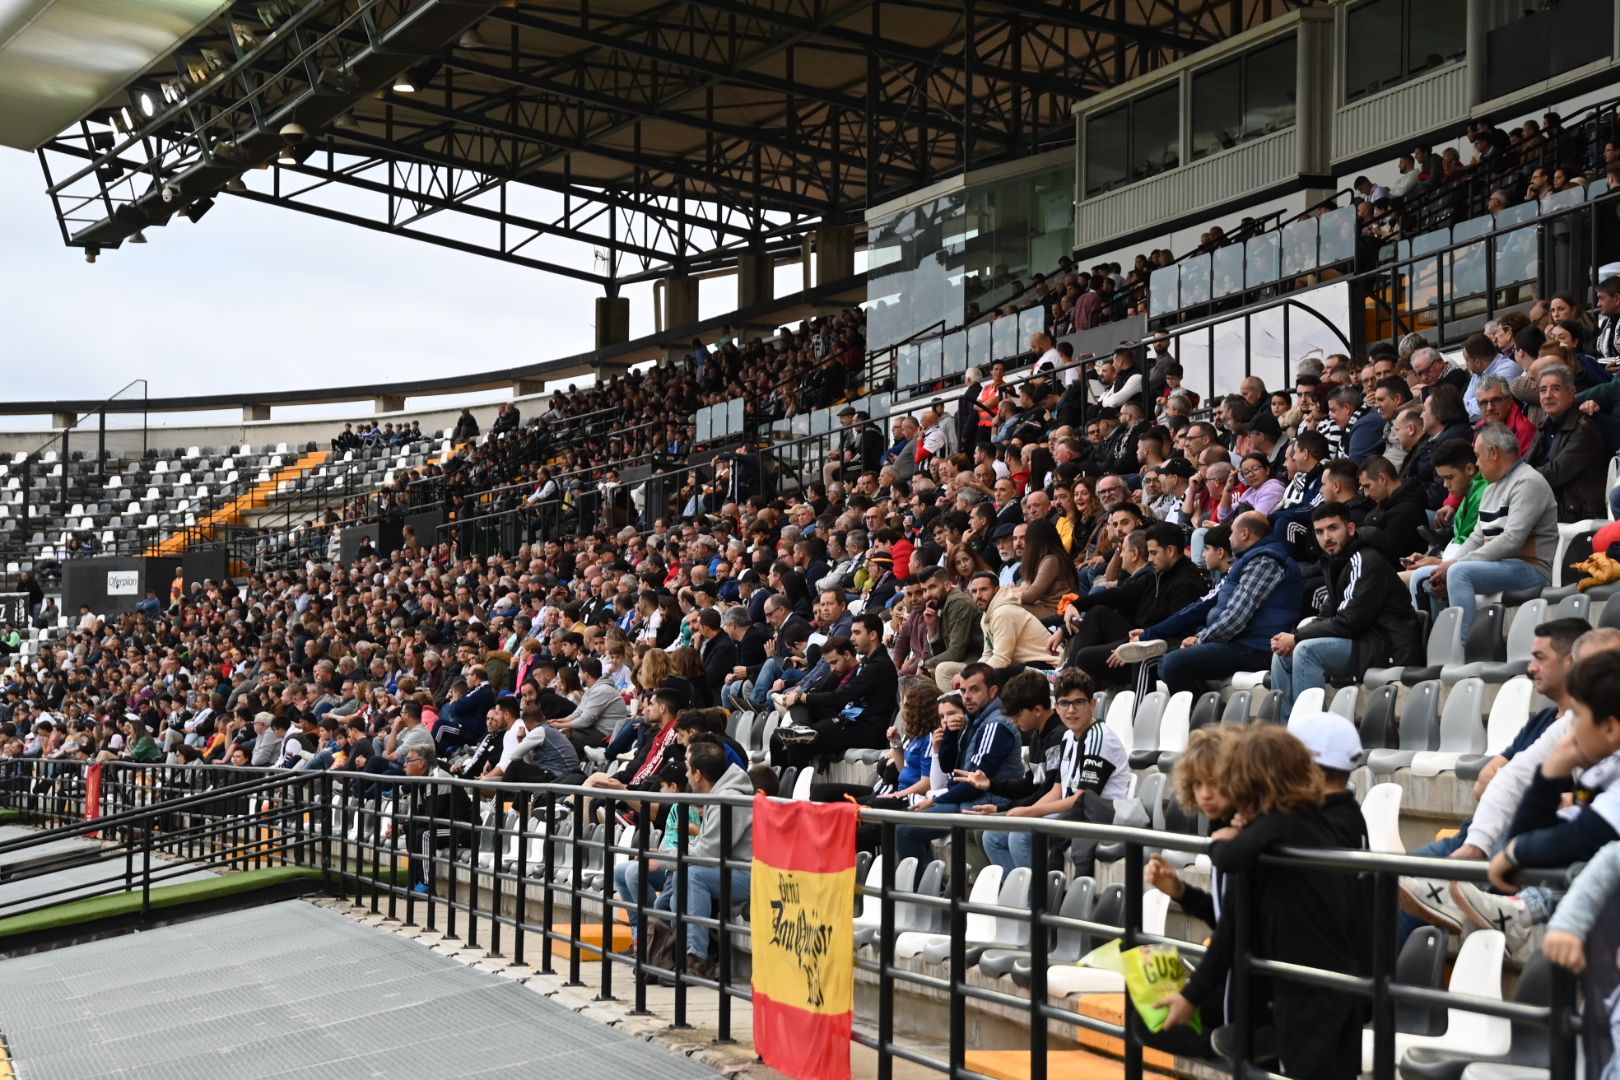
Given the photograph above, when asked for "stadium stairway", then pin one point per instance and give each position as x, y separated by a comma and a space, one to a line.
255, 498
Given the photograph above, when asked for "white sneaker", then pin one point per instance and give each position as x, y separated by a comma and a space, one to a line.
1430, 900
1134, 652
1490, 911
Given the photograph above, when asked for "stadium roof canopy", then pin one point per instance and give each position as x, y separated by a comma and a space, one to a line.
608, 140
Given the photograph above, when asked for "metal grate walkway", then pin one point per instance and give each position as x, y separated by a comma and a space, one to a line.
292, 990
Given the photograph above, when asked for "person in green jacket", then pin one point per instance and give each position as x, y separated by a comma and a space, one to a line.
1602, 398
138, 743
10, 641
1456, 466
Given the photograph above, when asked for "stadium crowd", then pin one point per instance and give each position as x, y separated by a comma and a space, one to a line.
951, 594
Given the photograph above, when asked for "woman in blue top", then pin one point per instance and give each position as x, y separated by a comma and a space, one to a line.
903, 774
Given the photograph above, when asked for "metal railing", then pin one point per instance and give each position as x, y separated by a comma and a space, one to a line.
550, 855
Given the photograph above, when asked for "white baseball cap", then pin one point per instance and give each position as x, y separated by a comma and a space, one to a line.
1331, 739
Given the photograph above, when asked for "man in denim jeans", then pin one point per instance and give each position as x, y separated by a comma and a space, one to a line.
709, 771
1513, 544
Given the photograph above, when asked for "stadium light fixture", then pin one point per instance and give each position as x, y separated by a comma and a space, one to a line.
403, 83
194, 213
90, 253
139, 237
235, 183
472, 39
147, 105
345, 120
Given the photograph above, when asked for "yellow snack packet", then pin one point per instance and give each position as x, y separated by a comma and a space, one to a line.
1153, 973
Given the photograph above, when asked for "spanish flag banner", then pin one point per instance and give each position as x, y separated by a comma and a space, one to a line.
803, 915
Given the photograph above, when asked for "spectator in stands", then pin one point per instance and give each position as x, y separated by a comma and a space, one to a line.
461, 721
599, 712
525, 755
1072, 754
1512, 546
953, 618
1047, 571
1606, 341
1361, 428
1363, 620
438, 818
1569, 452
1012, 634
1304, 916
981, 740
854, 715
1484, 360
1231, 628
1399, 510
1430, 369
1497, 406
710, 773
1389, 397
466, 427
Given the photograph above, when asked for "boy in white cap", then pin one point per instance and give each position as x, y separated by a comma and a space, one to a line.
1336, 747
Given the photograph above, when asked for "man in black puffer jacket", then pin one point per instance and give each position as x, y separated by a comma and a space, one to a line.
1366, 618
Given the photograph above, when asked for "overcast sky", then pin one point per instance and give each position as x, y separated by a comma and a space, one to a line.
257, 297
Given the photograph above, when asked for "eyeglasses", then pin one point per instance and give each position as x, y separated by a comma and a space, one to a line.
1073, 703
1486, 402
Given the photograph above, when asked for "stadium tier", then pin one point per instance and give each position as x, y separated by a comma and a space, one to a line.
1169, 626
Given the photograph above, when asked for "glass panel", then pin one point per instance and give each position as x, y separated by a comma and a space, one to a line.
930, 357
954, 354
1164, 290
1226, 271
1299, 247
1195, 280
905, 367
1031, 321
1107, 147
821, 422
1568, 197
1516, 255
1268, 79
1600, 186
1370, 62
1004, 337
1468, 264
978, 345
734, 415
1230, 349
1156, 132
1338, 236
1191, 351
1423, 275
705, 424
1217, 108
1262, 259
1436, 33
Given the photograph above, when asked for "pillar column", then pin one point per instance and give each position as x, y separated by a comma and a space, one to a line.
755, 281
835, 253
388, 403
255, 412
528, 387
64, 419
680, 307
612, 320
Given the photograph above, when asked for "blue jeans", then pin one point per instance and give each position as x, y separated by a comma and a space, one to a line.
760, 699
1189, 669
627, 883
913, 840
1010, 850
1465, 581
1313, 661
702, 894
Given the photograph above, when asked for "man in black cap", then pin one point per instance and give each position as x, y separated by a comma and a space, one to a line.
1175, 476
860, 447
1006, 541
1264, 436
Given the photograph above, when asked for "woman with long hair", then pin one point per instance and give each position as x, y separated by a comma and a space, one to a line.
689, 672
961, 563
794, 588
1048, 570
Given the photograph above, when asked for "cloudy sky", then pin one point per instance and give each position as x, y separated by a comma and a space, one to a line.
258, 297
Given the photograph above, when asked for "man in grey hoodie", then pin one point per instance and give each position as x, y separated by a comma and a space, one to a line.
709, 771
1513, 545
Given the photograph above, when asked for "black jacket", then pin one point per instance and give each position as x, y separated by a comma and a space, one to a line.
1568, 453
873, 689
1398, 522
751, 649
719, 657
1366, 601
1148, 597
1419, 467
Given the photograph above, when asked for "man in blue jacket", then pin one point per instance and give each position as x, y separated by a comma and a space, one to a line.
1231, 627
987, 742
464, 720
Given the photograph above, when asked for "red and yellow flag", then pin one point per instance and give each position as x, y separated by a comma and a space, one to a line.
803, 915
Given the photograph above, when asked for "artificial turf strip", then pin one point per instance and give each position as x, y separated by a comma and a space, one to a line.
7, 816
95, 908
